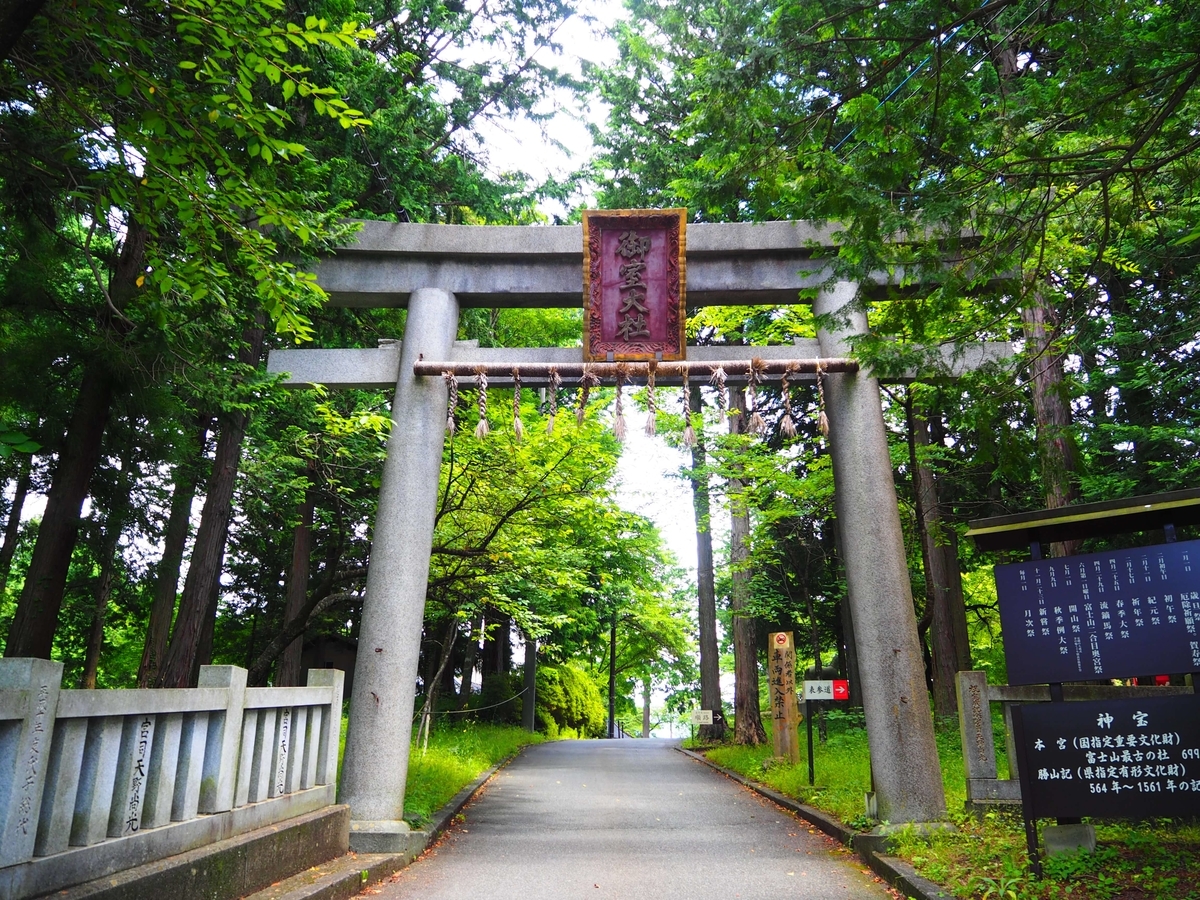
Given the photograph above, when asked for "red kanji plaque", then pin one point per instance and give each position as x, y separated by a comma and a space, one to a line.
634, 284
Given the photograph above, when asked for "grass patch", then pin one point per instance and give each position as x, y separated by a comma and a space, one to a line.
457, 755
841, 765
985, 859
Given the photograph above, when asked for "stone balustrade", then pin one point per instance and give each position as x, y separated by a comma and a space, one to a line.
95, 782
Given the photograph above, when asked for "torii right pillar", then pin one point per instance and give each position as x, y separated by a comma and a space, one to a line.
904, 762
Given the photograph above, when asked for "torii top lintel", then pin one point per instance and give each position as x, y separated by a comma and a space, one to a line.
494, 266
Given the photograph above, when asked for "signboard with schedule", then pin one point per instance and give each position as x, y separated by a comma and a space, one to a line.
1101, 615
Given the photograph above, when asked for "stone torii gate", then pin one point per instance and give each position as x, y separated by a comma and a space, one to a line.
434, 270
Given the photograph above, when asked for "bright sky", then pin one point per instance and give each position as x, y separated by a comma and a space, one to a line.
649, 484
522, 145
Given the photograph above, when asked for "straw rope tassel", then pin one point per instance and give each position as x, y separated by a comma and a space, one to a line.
718, 381
619, 417
756, 425
689, 433
651, 423
518, 428
555, 384
482, 430
452, 402
787, 425
822, 420
586, 382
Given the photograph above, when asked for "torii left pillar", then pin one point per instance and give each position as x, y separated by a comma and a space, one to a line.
389, 641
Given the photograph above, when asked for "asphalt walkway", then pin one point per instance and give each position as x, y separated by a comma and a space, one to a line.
627, 819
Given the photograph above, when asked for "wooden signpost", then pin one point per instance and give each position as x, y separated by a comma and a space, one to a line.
785, 715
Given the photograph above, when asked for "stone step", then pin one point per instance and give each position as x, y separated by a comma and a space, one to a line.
337, 879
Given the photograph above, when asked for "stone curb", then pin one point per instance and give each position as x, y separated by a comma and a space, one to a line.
346, 876
871, 848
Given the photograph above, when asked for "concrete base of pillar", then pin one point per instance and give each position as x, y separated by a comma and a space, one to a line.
387, 836
882, 838
1069, 839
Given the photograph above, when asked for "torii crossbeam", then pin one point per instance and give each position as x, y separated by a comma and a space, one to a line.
434, 270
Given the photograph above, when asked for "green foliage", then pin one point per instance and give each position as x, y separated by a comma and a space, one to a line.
926, 121
168, 120
500, 700
568, 703
16, 442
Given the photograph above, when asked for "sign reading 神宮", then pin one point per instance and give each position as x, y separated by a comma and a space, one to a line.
1113, 758
634, 284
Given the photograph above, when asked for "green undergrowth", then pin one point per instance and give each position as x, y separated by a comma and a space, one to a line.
985, 858
841, 766
456, 756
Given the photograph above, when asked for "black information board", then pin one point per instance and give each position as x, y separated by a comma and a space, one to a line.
1101, 615
1109, 758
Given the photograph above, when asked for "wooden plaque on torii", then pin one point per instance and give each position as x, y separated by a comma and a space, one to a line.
634, 284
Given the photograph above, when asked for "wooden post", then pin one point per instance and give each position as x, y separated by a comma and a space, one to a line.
781, 675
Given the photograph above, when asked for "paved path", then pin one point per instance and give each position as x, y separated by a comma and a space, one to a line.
627, 819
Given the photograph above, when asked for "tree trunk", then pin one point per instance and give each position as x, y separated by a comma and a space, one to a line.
166, 579
468, 670
191, 641
114, 524
320, 602
849, 644
504, 646
612, 677
13, 529
36, 618
1052, 407
17, 16
108, 572
32, 630
529, 697
710, 660
646, 687
288, 672
490, 661
435, 677
943, 580
748, 726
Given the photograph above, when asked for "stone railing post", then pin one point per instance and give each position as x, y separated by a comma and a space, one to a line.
30, 688
219, 775
331, 724
975, 726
